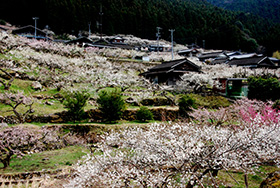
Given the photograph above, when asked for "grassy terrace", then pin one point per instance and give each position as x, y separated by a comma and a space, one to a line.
48, 160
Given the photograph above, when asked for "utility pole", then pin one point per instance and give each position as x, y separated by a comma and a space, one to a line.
35, 34
158, 36
89, 31
172, 30
101, 14
203, 44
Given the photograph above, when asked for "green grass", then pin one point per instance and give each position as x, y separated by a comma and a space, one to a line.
48, 160
22, 85
210, 101
9, 56
43, 109
40, 108
254, 180
47, 92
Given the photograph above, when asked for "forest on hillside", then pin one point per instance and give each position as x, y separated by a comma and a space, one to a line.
266, 9
194, 21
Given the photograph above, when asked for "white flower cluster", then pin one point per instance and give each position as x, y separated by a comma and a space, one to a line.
176, 154
55, 64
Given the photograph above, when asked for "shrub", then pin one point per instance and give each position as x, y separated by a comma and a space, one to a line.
276, 105
111, 104
75, 102
263, 89
144, 114
186, 103
3, 22
276, 55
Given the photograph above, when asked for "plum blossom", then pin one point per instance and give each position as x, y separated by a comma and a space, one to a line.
176, 154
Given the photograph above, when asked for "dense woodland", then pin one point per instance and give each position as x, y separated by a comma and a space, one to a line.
193, 20
267, 9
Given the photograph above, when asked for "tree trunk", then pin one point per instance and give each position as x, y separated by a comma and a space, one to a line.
191, 185
246, 180
6, 160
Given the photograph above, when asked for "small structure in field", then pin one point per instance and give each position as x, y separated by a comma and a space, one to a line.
232, 87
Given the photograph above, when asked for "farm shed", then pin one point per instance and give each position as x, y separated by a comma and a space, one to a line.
231, 87
170, 71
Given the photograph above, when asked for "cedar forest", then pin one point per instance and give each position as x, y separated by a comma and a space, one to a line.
237, 25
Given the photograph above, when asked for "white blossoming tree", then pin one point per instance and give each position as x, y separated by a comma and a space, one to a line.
15, 100
179, 154
20, 140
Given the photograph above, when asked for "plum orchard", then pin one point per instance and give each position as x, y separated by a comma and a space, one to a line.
182, 154
20, 140
58, 65
61, 66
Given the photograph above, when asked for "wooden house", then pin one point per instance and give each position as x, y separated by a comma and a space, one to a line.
81, 41
159, 48
253, 61
224, 57
170, 71
117, 40
209, 55
275, 61
188, 52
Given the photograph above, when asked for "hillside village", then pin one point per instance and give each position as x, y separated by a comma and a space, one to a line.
177, 68
203, 120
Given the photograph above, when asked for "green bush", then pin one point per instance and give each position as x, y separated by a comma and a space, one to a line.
276, 105
276, 55
75, 101
2, 22
186, 103
263, 88
144, 114
111, 104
